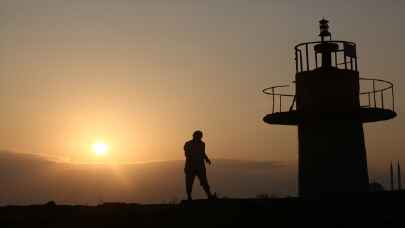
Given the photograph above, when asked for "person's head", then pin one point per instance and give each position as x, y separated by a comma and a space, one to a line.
197, 135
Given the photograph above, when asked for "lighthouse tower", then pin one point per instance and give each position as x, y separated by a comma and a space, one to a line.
330, 105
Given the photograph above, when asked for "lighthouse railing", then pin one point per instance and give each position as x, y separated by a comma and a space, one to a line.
374, 93
281, 100
377, 93
307, 59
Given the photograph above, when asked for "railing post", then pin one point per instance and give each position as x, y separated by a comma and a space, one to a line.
393, 98
296, 60
382, 99
375, 99
351, 63
280, 103
272, 92
292, 105
345, 62
301, 60
316, 60
369, 99
307, 55
336, 62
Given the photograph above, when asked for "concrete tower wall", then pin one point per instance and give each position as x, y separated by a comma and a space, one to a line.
332, 153
327, 90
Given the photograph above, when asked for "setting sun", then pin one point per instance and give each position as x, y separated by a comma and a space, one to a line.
100, 148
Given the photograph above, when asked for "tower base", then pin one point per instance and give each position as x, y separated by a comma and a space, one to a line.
332, 157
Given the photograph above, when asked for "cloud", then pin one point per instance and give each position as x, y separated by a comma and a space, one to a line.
34, 179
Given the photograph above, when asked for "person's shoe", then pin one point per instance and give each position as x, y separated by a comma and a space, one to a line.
213, 196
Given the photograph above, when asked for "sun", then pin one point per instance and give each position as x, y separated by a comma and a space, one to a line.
100, 148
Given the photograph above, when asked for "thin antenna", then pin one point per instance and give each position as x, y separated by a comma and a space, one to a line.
392, 177
399, 176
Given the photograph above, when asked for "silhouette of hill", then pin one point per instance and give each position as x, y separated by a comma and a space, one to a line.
155, 182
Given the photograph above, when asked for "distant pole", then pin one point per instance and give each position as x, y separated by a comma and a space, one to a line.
392, 177
399, 176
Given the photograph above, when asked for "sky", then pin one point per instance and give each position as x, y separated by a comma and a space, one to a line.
143, 75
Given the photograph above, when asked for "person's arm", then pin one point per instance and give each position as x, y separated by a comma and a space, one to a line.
205, 156
186, 150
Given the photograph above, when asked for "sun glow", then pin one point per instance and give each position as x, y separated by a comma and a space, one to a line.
100, 148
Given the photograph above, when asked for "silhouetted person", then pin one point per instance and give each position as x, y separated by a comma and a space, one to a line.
195, 164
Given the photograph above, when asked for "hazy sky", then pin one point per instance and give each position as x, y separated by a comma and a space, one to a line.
31, 179
142, 75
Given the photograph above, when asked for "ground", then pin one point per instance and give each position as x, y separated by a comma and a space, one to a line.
381, 209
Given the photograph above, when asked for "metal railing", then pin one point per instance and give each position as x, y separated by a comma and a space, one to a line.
307, 59
281, 102
377, 94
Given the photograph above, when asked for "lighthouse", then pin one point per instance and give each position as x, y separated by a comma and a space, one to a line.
330, 105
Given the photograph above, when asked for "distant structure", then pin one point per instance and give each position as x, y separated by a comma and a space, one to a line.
330, 105
392, 177
399, 178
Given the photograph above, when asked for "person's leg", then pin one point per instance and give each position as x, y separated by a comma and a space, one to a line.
189, 183
202, 176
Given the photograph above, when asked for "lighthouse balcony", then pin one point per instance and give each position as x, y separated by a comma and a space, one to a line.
283, 106
375, 102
